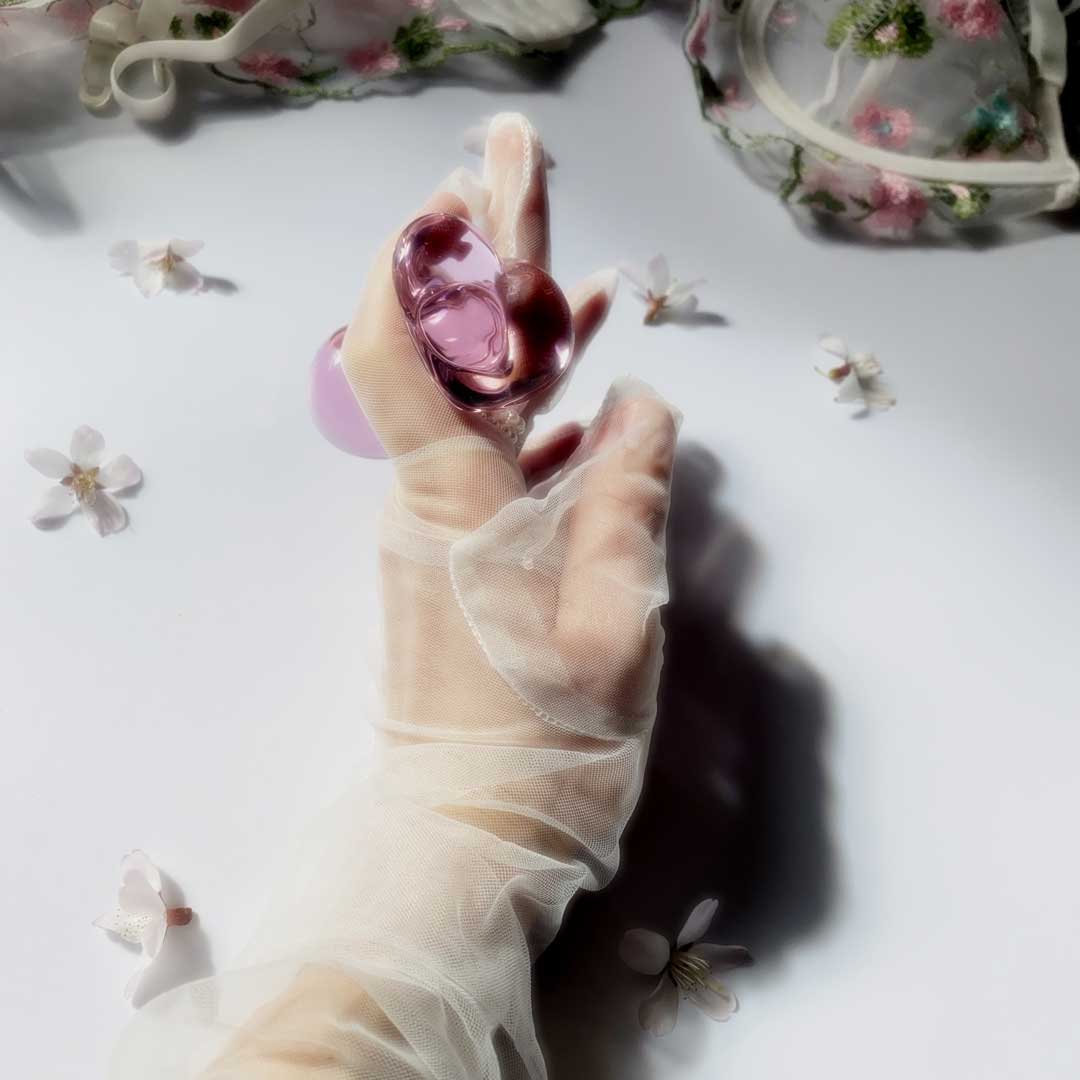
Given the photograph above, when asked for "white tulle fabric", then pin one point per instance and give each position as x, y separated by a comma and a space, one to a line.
518, 704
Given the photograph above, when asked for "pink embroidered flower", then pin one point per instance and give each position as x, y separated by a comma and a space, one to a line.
783, 16
877, 125
961, 191
237, 7
897, 206
695, 43
270, 67
452, 24
887, 34
972, 19
730, 98
422, 5
378, 58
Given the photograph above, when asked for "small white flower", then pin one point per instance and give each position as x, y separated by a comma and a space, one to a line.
141, 916
84, 483
475, 141
661, 294
154, 267
686, 970
856, 377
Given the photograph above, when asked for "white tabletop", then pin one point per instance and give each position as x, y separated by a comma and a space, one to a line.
888, 799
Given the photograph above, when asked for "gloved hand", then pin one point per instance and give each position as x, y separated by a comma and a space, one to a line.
523, 650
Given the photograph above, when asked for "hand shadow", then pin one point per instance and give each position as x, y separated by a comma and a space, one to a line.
185, 956
734, 805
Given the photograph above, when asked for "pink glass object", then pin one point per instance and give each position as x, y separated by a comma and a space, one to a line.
334, 408
491, 333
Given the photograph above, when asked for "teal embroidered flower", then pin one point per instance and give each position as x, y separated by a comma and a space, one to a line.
876, 28
966, 201
1002, 124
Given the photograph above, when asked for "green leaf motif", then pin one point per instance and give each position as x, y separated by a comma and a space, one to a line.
313, 78
176, 27
877, 29
213, 25
966, 201
794, 179
824, 200
417, 39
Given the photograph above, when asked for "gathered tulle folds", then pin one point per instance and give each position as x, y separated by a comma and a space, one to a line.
515, 724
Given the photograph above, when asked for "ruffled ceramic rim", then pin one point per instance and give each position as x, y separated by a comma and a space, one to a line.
1059, 170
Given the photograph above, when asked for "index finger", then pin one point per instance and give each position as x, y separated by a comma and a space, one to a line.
516, 176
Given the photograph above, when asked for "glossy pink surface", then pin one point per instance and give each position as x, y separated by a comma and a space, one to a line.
491, 333
334, 408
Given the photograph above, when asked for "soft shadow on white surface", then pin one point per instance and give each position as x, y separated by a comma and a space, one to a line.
735, 804
185, 957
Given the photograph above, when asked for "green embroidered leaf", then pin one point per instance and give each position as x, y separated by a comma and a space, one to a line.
839, 27
862, 204
824, 200
176, 27
313, 78
877, 29
915, 37
794, 179
213, 25
964, 200
417, 38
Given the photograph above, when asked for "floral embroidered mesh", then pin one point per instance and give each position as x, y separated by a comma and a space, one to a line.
891, 115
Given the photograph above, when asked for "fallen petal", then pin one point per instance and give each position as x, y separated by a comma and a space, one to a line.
124, 256
50, 463
644, 951
698, 922
149, 277
723, 957
119, 474
55, 505
716, 1001
106, 515
185, 278
185, 248
659, 275
659, 1011
87, 447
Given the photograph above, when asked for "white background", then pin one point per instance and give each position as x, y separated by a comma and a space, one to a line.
195, 685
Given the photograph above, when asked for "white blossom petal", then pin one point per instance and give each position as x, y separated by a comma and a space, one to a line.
681, 305
722, 957
659, 1011
638, 279
185, 248
645, 951
119, 474
128, 926
153, 937
184, 277
866, 365
877, 397
50, 463
138, 862
716, 1001
698, 922
55, 505
834, 345
106, 515
132, 985
149, 276
87, 447
659, 275
850, 390
680, 289
125, 256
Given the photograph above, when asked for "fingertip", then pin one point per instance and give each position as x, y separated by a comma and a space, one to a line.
591, 302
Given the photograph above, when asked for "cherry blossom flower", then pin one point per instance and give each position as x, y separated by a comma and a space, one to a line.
888, 34
856, 376
663, 295
730, 98
972, 19
270, 67
141, 916
686, 970
877, 125
378, 58
84, 483
783, 16
154, 267
896, 205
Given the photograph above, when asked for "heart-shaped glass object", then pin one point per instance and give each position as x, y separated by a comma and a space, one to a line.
491, 332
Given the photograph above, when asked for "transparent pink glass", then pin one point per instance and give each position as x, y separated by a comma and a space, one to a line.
334, 408
491, 333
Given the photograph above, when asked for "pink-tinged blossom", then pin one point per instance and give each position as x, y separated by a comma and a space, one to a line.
452, 24
730, 98
270, 67
695, 43
378, 58
972, 19
783, 16
887, 34
878, 125
897, 207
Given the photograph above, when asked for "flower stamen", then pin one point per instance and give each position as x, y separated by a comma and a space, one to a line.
689, 973
83, 483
